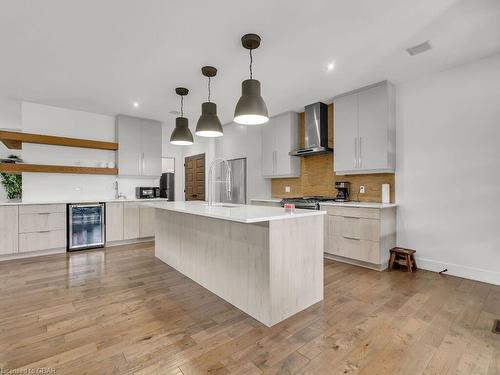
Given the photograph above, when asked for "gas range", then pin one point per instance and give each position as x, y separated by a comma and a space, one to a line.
308, 203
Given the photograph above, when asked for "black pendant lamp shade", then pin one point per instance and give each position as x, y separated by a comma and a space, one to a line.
181, 135
251, 108
209, 124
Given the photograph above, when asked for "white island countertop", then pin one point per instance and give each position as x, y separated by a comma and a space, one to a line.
79, 201
233, 212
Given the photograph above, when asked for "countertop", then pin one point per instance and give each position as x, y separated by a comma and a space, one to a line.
359, 204
241, 213
20, 203
339, 204
270, 200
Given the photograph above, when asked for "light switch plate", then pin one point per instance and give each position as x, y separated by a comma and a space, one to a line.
287, 189
362, 189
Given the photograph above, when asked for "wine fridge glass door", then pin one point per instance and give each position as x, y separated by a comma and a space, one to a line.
86, 226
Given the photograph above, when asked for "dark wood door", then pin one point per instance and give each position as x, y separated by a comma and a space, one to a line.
194, 167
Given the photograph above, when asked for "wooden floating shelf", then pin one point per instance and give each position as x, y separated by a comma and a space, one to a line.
40, 168
15, 140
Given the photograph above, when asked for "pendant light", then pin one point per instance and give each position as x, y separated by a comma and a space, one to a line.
181, 135
251, 108
209, 124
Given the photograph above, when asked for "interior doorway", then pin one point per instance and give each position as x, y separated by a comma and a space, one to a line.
194, 167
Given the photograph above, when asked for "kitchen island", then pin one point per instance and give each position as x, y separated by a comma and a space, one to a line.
263, 260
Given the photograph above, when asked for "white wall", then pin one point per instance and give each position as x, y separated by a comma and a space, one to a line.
10, 119
42, 119
448, 170
246, 141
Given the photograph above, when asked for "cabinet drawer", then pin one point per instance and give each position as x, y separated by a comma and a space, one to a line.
367, 213
42, 240
331, 210
366, 251
334, 245
42, 222
42, 208
360, 228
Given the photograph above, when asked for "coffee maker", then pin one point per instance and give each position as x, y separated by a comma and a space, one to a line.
342, 191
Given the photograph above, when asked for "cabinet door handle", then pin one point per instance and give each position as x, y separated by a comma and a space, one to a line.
143, 162
360, 154
274, 162
351, 238
139, 163
355, 152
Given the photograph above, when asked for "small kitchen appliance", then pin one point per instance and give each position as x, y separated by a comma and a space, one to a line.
142, 192
342, 191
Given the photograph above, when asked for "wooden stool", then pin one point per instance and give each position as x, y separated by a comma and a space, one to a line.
402, 257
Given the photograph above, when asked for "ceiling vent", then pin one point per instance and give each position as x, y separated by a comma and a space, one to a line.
419, 48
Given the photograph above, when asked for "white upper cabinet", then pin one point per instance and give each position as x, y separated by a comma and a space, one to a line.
364, 131
151, 148
280, 136
139, 146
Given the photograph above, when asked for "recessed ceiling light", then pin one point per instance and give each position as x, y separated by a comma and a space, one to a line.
330, 67
135, 104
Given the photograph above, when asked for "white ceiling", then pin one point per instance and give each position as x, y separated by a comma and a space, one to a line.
100, 56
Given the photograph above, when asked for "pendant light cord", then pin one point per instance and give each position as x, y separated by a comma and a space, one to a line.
251, 62
182, 106
209, 89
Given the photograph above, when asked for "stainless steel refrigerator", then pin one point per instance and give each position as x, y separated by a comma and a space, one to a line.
167, 186
238, 182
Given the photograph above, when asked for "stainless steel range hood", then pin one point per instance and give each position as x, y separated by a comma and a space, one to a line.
315, 131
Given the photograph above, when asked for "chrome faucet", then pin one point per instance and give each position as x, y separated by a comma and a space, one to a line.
212, 181
117, 194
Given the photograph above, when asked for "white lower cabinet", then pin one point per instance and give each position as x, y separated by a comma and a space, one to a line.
360, 235
128, 221
114, 221
43, 240
42, 227
9, 230
146, 222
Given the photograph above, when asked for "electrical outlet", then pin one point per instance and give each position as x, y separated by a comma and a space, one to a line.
362, 189
287, 189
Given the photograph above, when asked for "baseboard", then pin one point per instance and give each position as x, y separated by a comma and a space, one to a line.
466, 272
354, 262
32, 254
129, 242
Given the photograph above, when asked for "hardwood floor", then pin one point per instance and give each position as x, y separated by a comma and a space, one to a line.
122, 311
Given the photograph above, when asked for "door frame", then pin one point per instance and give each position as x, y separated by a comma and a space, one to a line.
197, 156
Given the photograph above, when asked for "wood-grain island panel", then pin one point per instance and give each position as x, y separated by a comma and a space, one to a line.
270, 270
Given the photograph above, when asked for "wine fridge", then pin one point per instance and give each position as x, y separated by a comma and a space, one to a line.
85, 226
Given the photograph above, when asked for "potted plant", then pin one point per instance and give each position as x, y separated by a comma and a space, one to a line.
12, 182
